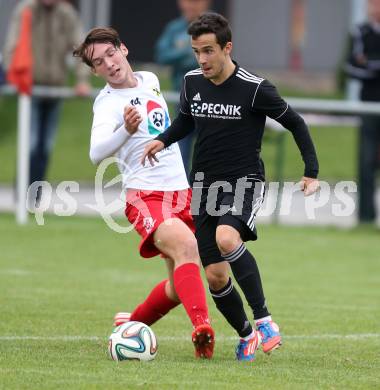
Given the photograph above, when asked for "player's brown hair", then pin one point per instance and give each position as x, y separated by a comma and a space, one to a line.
97, 35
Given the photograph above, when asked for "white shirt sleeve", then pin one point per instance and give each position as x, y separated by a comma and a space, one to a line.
108, 133
105, 142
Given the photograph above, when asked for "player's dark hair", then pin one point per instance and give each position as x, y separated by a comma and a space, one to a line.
97, 35
211, 22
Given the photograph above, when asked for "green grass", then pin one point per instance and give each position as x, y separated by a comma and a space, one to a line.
69, 277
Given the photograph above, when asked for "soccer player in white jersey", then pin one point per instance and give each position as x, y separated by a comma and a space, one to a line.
128, 113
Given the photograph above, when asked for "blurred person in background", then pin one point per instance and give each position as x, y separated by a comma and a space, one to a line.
56, 29
363, 63
2, 75
174, 48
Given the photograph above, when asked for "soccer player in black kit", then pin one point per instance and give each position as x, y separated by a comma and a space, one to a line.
228, 106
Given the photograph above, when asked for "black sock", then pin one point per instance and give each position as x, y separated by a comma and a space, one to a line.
246, 272
229, 303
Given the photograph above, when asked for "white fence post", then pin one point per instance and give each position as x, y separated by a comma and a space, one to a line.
23, 141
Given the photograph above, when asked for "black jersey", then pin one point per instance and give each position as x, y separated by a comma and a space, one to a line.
230, 120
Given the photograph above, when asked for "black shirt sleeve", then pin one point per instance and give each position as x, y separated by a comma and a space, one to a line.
182, 125
184, 105
269, 102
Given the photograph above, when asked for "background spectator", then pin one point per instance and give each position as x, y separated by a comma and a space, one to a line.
56, 28
363, 63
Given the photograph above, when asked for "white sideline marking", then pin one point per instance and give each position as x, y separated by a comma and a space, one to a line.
221, 338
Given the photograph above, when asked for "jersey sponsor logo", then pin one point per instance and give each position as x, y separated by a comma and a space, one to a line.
197, 97
135, 102
156, 91
216, 110
158, 118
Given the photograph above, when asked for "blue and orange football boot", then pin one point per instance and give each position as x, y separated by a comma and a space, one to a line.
270, 335
245, 350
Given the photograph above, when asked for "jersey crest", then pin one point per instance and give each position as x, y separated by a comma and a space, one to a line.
158, 118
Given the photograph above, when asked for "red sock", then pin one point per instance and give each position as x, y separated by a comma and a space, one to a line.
155, 306
190, 290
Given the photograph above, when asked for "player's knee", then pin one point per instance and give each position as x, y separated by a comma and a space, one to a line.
189, 247
226, 243
186, 250
216, 279
227, 238
177, 243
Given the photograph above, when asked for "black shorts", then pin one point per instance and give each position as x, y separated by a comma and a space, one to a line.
233, 205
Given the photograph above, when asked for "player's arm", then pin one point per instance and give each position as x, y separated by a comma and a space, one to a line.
108, 136
268, 101
182, 125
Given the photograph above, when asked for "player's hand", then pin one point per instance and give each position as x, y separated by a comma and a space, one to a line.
150, 152
309, 185
132, 119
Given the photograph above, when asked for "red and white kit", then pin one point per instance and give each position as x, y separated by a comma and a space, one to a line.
154, 193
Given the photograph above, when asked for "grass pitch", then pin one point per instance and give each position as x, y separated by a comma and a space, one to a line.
60, 285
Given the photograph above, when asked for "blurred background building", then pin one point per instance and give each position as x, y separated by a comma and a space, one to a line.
303, 35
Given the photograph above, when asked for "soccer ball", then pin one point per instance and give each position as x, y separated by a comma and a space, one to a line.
132, 341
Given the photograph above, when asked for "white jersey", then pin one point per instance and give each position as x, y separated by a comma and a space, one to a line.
109, 136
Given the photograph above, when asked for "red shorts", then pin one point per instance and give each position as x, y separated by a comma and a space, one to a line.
146, 210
